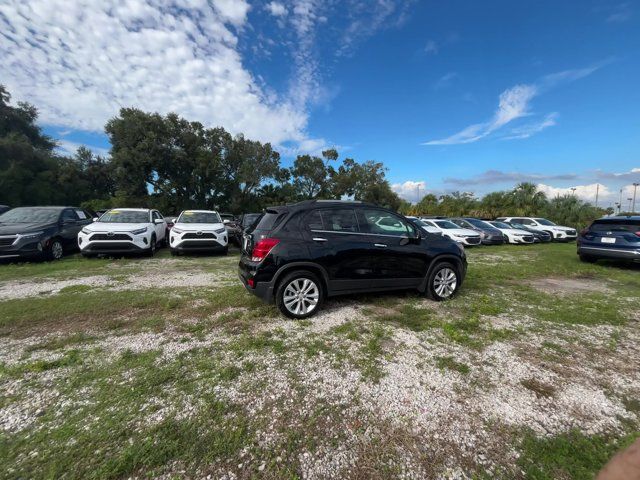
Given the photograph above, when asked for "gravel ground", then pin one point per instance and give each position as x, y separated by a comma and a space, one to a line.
438, 421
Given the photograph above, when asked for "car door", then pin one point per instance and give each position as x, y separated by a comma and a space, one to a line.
400, 259
336, 243
69, 227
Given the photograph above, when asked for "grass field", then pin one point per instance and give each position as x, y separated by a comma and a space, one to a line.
166, 367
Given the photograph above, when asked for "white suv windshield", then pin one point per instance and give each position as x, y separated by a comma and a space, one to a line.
125, 216
544, 221
199, 217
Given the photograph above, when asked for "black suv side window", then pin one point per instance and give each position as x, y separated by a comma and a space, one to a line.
381, 222
333, 220
69, 216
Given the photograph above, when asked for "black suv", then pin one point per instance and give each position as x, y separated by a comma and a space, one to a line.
41, 232
297, 255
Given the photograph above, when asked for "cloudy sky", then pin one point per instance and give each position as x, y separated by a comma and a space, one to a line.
456, 95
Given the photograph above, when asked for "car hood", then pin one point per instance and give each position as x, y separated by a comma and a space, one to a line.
461, 231
516, 230
116, 227
15, 228
198, 227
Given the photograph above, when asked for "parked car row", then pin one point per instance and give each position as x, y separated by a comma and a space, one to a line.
470, 231
49, 232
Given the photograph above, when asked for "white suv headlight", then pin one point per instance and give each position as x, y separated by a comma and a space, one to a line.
177, 230
139, 231
86, 231
220, 230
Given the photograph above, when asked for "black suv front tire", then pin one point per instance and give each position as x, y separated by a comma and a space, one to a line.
443, 282
300, 294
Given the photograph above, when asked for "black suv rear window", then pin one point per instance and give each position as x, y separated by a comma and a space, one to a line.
270, 220
616, 226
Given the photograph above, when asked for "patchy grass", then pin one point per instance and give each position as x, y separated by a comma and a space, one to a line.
451, 363
219, 383
571, 455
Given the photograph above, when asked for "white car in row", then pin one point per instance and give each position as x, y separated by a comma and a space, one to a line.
512, 234
123, 230
198, 231
558, 233
449, 229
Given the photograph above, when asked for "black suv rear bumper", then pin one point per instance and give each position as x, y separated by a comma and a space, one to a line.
610, 253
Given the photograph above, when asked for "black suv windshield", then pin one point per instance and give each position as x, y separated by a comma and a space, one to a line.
199, 217
125, 216
30, 215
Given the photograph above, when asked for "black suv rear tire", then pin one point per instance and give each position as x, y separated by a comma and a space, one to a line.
301, 289
441, 282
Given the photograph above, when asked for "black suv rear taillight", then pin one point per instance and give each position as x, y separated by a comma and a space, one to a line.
262, 248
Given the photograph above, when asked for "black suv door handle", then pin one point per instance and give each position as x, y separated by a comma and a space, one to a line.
319, 239
380, 245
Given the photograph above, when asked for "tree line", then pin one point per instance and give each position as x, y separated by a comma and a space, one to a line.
170, 163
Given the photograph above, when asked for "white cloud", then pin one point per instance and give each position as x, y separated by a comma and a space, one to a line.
276, 9
584, 192
79, 61
513, 104
410, 190
431, 48
445, 80
525, 131
67, 147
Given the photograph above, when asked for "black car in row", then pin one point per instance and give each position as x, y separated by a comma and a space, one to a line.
41, 232
299, 254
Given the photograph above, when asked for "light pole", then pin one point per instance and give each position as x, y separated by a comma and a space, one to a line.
597, 192
635, 187
617, 204
630, 199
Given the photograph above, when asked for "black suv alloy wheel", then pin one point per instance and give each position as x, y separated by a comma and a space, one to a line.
299, 294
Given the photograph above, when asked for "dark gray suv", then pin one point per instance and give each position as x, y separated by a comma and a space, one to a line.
488, 234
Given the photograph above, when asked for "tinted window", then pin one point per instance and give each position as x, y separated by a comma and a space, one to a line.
502, 225
524, 221
199, 217
270, 220
380, 222
125, 216
30, 215
632, 226
334, 220
477, 223
446, 224
544, 221
69, 215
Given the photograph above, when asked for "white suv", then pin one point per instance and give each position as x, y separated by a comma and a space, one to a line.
464, 236
198, 231
557, 232
123, 230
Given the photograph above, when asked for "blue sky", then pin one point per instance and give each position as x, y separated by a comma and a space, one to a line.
456, 95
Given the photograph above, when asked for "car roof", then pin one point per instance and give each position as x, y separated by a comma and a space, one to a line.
617, 218
200, 211
132, 209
